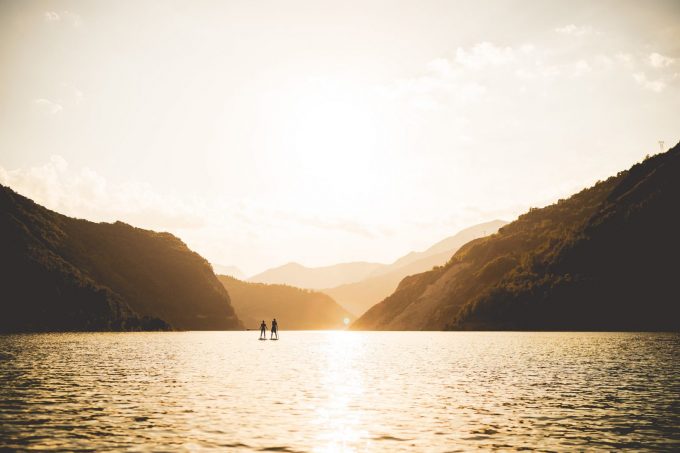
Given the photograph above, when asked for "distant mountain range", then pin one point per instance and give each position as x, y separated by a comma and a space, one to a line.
316, 277
359, 296
294, 308
604, 259
358, 286
58, 273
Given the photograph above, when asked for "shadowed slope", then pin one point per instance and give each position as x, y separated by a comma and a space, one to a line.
60, 273
360, 296
600, 260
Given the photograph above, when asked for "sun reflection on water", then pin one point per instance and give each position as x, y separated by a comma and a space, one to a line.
339, 391
340, 423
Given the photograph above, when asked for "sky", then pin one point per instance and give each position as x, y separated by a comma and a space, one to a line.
265, 132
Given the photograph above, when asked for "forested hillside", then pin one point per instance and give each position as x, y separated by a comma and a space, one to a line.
603, 259
294, 308
362, 295
59, 273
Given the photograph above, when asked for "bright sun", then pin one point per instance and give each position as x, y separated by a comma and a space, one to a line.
327, 130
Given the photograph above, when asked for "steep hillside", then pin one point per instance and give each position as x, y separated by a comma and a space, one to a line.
600, 260
316, 277
60, 273
360, 296
294, 308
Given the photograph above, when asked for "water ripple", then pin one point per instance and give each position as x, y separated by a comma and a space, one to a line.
340, 391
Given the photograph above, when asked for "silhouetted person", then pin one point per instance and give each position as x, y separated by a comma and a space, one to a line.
275, 329
263, 330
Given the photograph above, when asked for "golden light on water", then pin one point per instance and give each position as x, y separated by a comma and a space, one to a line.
340, 424
335, 391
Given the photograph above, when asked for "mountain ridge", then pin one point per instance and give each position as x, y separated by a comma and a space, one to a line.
583, 263
362, 295
60, 273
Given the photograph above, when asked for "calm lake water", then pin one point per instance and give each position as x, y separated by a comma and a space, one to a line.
340, 391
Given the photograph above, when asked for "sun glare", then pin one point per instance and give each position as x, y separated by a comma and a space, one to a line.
341, 426
332, 130
327, 131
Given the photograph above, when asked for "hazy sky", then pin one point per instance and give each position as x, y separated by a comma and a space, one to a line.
262, 132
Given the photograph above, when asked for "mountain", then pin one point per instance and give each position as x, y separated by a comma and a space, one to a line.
59, 274
446, 246
316, 277
294, 308
360, 296
232, 271
604, 259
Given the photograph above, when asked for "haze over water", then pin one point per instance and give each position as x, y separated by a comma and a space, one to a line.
340, 391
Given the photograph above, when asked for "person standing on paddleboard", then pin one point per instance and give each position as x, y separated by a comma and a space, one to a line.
263, 330
275, 329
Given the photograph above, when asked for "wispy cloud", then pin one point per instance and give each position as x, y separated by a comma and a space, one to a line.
653, 85
85, 193
475, 72
52, 16
576, 30
47, 106
484, 54
660, 61
580, 68
67, 96
63, 16
447, 80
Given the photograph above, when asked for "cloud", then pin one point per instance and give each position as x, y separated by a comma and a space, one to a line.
656, 86
581, 68
576, 30
64, 16
68, 96
447, 80
52, 16
463, 79
47, 106
441, 66
484, 54
87, 194
660, 61
624, 58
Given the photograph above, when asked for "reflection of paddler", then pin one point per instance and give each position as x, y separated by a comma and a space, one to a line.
263, 330
275, 329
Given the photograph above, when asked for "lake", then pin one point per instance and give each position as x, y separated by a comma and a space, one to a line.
340, 391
